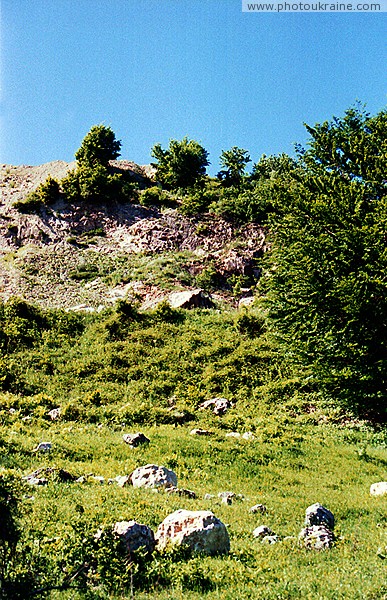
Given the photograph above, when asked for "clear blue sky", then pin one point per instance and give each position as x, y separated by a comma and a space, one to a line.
160, 69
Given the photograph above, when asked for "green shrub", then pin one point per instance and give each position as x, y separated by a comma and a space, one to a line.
45, 194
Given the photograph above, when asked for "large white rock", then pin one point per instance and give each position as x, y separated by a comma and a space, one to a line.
135, 536
378, 489
153, 476
198, 530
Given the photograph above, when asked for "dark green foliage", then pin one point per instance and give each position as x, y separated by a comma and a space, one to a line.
234, 163
45, 194
93, 184
327, 287
182, 165
155, 196
98, 147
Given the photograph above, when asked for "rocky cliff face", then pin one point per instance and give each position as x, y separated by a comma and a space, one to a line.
70, 255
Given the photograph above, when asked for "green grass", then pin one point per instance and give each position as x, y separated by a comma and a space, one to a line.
124, 371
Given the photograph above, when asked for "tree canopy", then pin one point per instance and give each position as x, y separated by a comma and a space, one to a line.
234, 163
182, 165
98, 147
327, 281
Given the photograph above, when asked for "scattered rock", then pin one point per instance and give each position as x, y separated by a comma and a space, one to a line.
200, 432
64, 476
270, 539
153, 476
258, 508
98, 479
246, 301
36, 480
54, 414
200, 531
226, 497
135, 439
316, 537
378, 489
135, 536
190, 299
219, 405
317, 514
262, 531
122, 480
43, 447
181, 492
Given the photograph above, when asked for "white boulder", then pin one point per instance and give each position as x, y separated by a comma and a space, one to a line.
153, 476
198, 530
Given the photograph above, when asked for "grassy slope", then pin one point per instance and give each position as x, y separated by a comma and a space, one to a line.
122, 375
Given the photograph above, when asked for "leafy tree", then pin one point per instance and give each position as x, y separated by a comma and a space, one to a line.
98, 147
327, 285
182, 165
234, 163
273, 167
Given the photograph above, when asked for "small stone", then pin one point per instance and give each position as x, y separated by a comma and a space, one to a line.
54, 414
181, 492
135, 439
262, 531
98, 479
219, 405
37, 481
226, 495
379, 489
258, 508
198, 431
270, 539
227, 500
43, 447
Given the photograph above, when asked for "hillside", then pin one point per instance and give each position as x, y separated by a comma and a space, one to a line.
234, 451
68, 255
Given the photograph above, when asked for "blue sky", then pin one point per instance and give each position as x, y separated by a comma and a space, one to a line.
160, 69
